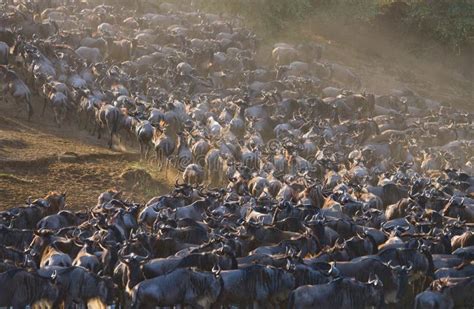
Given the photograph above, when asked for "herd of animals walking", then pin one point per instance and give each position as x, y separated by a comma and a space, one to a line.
296, 188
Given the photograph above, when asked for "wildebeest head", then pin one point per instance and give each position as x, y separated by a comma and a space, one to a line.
401, 273
133, 263
361, 245
456, 208
108, 196
106, 290
184, 189
41, 239
109, 256
56, 201
374, 292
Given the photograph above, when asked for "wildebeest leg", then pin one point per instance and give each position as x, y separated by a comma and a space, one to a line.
19, 110
68, 303
147, 152
4, 95
31, 82
83, 120
29, 108
56, 116
111, 139
44, 106
130, 138
118, 137
99, 130
76, 116
142, 151
158, 160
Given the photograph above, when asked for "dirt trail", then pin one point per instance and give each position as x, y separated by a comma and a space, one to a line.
38, 157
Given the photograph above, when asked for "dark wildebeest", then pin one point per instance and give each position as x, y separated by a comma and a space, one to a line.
62, 219
180, 287
458, 289
201, 261
15, 237
16, 87
4, 52
433, 300
144, 132
108, 116
20, 288
339, 293
78, 285
255, 284
44, 250
26, 217
394, 279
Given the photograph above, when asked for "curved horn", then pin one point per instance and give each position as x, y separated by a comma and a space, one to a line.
54, 275
216, 269
333, 271
393, 267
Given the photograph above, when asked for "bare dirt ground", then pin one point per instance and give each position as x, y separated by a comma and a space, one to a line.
386, 63
387, 67
37, 157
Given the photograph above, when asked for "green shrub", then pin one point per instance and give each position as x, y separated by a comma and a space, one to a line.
269, 16
450, 22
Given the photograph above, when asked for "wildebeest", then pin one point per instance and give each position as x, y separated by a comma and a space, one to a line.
77, 285
108, 116
13, 85
429, 299
315, 184
21, 288
255, 284
339, 293
180, 287
4, 53
394, 279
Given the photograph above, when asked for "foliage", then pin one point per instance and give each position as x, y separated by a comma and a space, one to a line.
269, 16
450, 22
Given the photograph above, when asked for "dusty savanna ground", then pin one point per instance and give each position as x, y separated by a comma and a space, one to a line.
38, 157
384, 62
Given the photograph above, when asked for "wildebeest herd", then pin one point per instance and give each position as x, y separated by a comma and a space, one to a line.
317, 196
